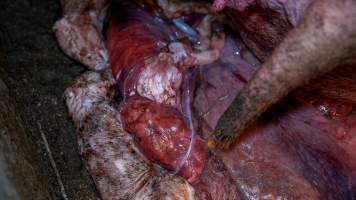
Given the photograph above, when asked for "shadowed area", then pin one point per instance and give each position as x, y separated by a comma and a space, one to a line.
36, 74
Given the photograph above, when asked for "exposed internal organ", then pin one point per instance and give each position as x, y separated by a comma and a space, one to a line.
163, 135
149, 62
148, 59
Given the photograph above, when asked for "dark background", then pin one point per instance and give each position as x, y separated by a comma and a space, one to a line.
36, 72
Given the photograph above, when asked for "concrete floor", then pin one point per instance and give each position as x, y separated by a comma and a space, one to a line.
36, 73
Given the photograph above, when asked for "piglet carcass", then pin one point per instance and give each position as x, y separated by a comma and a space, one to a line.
302, 149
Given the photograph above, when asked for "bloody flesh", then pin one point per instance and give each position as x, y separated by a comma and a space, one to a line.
163, 136
151, 82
